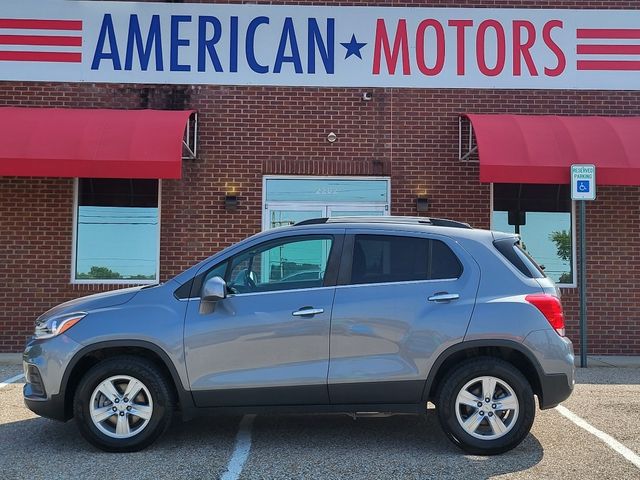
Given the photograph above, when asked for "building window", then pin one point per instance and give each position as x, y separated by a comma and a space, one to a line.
117, 231
543, 216
288, 200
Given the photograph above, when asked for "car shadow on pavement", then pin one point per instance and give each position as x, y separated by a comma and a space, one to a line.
40, 448
401, 446
283, 446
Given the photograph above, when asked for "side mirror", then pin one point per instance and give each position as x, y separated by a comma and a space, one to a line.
214, 289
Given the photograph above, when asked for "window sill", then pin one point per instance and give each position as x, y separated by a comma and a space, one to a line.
128, 283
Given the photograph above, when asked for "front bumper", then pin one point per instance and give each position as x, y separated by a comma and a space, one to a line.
45, 362
52, 407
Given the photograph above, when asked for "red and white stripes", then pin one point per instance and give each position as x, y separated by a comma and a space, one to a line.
608, 49
35, 40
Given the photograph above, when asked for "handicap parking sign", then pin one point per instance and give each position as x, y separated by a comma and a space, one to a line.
583, 182
583, 186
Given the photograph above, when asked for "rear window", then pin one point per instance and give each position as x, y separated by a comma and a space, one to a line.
388, 258
512, 250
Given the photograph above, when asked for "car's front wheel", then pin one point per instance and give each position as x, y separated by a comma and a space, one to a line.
486, 406
123, 404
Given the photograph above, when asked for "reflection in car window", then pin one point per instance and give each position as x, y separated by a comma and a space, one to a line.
290, 264
386, 258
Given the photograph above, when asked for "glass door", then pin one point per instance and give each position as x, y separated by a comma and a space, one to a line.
288, 200
355, 211
282, 215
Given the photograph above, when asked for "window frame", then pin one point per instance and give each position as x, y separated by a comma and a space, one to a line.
331, 270
574, 263
117, 281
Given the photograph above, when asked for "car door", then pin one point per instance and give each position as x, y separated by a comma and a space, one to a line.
267, 342
401, 299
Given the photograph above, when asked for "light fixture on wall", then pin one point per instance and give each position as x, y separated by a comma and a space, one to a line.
231, 202
422, 204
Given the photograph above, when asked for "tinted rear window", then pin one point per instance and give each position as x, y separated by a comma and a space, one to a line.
511, 249
386, 258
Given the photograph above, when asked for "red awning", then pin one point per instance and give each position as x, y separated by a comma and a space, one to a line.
64, 142
541, 148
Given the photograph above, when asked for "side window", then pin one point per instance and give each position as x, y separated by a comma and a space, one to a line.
285, 265
386, 258
217, 271
444, 263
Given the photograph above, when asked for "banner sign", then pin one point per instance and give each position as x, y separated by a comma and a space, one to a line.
177, 43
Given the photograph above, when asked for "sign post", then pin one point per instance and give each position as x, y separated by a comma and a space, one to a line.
583, 188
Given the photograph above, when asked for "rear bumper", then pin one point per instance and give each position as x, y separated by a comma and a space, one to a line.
557, 370
555, 389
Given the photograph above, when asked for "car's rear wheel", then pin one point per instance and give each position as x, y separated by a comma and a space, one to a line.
486, 406
123, 404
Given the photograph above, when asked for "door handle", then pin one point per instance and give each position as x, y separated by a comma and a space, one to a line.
443, 297
303, 312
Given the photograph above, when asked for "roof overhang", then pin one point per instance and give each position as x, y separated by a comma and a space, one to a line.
92, 143
542, 148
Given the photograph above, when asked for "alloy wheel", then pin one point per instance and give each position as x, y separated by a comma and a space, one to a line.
121, 406
487, 407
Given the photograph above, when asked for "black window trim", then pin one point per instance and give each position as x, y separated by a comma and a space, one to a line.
511, 251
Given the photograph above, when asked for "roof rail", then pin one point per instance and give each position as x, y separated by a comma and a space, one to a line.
436, 222
311, 221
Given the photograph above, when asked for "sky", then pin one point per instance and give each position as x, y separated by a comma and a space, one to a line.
123, 239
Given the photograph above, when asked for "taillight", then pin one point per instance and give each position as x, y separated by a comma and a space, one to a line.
551, 308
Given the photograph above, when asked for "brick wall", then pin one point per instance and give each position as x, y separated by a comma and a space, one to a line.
247, 132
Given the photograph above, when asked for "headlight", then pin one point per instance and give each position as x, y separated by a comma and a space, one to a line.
58, 324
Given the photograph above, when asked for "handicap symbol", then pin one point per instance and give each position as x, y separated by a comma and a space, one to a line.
583, 185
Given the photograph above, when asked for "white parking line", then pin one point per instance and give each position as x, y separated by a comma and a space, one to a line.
607, 439
8, 381
241, 450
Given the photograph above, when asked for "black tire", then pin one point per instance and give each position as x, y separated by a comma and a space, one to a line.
467, 371
157, 386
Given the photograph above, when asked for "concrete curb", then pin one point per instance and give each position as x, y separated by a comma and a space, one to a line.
10, 358
615, 361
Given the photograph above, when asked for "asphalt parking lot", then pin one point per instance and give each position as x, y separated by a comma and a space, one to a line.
336, 447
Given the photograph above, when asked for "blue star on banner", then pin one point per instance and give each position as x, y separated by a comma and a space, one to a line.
353, 47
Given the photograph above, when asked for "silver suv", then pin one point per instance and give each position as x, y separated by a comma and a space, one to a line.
341, 315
